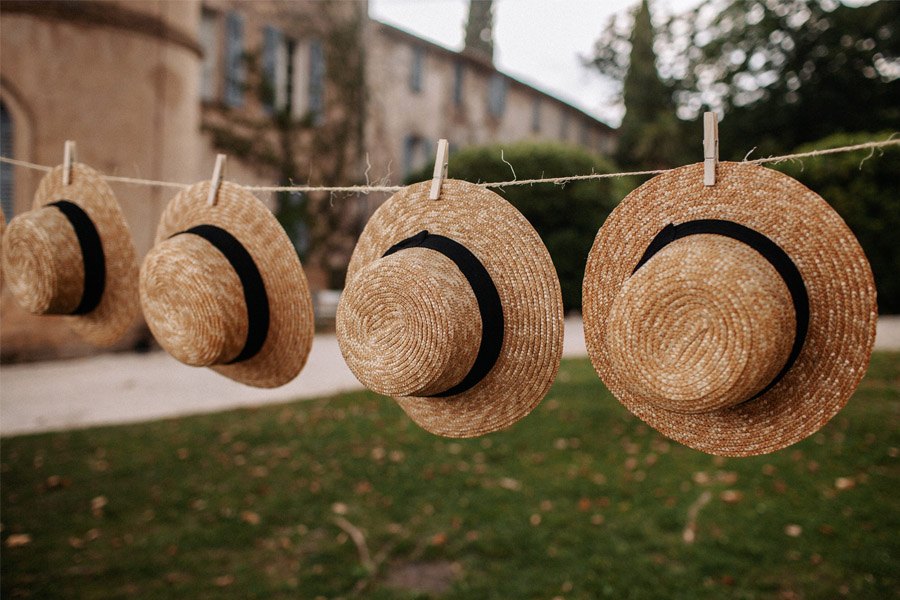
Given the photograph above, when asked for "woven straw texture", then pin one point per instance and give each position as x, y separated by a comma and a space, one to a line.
687, 341
193, 300
408, 324
2, 232
43, 263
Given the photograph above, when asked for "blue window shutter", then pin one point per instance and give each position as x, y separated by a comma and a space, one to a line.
459, 72
317, 81
271, 44
235, 71
415, 73
409, 154
497, 95
7, 183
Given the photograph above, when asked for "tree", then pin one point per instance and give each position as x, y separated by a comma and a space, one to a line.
788, 72
648, 136
480, 29
783, 72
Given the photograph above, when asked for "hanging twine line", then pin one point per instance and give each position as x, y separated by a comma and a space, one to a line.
367, 189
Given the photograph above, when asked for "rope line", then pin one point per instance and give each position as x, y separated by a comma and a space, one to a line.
366, 189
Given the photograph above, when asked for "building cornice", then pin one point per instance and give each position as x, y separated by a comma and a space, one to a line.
103, 14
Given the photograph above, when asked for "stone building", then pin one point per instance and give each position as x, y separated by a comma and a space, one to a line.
298, 91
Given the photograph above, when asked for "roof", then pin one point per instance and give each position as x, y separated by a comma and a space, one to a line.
480, 63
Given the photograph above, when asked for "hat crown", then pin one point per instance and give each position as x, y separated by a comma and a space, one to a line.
409, 325
705, 324
43, 262
193, 301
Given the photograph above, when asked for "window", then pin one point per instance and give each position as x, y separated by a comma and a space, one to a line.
415, 72
459, 72
317, 81
585, 133
209, 40
536, 115
497, 95
235, 72
415, 154
7, 187
276, 70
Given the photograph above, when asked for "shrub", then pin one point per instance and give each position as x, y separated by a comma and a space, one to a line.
866, 193
566, 217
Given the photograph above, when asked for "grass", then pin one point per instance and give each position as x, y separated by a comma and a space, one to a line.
345, 497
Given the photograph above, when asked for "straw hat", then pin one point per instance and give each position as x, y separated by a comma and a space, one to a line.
453, 307
736, 319
72, 254
223, 288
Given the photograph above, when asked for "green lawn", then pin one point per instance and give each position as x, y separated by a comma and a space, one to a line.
345, 497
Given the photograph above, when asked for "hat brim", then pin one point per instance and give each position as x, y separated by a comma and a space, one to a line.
291, 323
837, 276
118, 308
522, 270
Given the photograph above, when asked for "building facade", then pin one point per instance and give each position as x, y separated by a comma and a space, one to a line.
299, 91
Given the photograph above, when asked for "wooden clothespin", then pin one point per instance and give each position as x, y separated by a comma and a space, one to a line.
216, 180
440, 169
68, 159
710, 147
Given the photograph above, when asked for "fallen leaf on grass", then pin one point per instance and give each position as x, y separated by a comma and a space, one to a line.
701, 477
727, 477
17, 540
731, 496
55, 482
97, 505
844, 483
224, 580
793, 530
508, 483
250, 517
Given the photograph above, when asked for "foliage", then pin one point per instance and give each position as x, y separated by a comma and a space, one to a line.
866, 193
783, 72
789, 72
579, 500
566, 217
648, 136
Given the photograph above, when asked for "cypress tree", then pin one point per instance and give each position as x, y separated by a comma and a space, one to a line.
649, 131
480, 29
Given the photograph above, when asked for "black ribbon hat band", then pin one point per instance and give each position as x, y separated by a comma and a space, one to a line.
769, 250
486, 294
91, 254
255, 296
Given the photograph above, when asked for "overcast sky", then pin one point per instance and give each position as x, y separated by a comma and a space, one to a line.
537, 41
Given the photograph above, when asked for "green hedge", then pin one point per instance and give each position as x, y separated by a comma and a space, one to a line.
866, 193
567, 217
